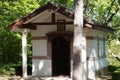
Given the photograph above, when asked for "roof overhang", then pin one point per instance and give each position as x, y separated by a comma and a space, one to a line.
25, 22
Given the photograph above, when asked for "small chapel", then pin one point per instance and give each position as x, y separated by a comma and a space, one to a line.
52, 29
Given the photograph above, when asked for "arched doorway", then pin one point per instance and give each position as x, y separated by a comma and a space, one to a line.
60, 56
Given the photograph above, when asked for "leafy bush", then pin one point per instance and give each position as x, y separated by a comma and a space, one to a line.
111, 68
13, 69
7, 69
114, 63
114, 47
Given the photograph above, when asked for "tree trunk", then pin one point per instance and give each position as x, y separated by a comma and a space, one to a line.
78, 71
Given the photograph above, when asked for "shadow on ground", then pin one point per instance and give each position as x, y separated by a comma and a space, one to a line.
113, 74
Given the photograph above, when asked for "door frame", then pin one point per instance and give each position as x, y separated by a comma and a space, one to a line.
68, 35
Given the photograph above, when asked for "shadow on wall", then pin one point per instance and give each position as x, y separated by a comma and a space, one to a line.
91, 64
94, 66
41, 68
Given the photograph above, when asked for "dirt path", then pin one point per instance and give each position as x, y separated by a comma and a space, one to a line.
49, 78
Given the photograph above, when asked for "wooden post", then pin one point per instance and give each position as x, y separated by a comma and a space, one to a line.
24, 53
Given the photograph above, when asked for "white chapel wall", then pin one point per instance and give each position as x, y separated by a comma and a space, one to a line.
41, 68
39, 47
96, 51
43, 29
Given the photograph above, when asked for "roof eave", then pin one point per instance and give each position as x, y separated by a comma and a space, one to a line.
62, 10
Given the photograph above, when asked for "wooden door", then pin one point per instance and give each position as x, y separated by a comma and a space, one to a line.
60, 57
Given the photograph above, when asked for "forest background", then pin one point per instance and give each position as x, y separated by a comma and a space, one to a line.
103, 11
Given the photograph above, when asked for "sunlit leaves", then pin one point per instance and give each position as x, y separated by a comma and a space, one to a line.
114, 47
10, 43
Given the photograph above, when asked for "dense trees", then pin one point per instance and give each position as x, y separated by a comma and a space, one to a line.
11, 10
10, 43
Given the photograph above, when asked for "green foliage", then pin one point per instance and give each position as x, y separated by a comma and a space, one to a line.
29, 50
114, 47
10, 47
10, 42
114, 63
6, 69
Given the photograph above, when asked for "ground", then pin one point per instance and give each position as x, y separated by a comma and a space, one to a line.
35, 78
112, 74
53, 78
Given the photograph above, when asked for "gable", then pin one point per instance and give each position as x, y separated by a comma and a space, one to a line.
46, 16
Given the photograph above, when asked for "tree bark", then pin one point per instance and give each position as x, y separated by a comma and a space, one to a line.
78, 71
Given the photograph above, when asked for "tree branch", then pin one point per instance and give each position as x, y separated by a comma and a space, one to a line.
109, 11
111, 16
86, 2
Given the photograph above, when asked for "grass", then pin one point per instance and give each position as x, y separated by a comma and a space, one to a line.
6, 69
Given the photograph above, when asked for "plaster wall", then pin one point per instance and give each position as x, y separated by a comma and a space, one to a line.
93, 66
47, 15
94, 32
96, 52
91, 48
42, 30
39, 47
41, 68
